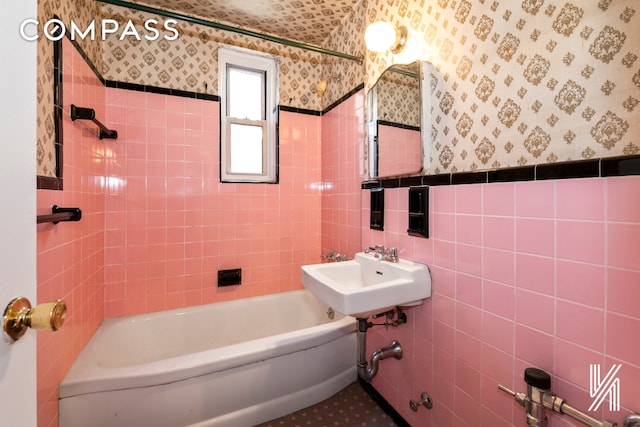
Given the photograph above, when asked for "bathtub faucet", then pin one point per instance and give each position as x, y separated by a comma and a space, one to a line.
540, 397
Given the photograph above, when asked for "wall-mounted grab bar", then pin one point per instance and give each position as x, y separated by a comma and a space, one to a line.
60, 214
81, 113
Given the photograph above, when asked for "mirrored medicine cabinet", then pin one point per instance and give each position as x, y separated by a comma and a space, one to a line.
397, 122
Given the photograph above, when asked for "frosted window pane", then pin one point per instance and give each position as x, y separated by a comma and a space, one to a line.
246, 149
246, 93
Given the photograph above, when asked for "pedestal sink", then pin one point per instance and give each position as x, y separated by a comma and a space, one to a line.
367, 285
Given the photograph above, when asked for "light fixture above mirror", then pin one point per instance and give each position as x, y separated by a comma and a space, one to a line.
382, 36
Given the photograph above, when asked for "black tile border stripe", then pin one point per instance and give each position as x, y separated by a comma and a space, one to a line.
299, 110
196, 95
593, 168
176, 92
580, 169
397, 125
524, 173
343, 98
160, 90
620, 166
187, 94
383, 404
469, 178
326, 110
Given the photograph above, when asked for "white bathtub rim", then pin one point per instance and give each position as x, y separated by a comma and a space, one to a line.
86, 376
200, 318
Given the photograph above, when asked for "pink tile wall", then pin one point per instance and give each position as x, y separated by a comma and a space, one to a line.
541, 274
342, 174
399, 151
170, 225
70, 258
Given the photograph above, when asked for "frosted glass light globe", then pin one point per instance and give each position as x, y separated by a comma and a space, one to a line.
380, 36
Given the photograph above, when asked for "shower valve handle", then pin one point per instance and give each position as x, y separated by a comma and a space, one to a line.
537, 378
540, 397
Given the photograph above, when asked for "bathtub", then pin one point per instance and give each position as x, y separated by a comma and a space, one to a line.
235, 363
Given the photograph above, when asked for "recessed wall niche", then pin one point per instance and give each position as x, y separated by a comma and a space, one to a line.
419, 211
376, 221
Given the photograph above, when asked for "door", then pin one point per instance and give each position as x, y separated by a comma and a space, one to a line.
17, 208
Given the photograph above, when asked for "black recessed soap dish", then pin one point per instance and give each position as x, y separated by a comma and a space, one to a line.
419, 211
376, 219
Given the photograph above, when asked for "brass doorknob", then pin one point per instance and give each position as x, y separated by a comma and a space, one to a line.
18, 316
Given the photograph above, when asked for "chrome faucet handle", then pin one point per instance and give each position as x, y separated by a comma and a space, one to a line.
378, 249
391, 255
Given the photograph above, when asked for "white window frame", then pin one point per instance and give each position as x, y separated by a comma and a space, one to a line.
245, 58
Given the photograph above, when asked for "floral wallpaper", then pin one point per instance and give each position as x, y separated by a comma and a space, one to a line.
512, 83
526, 82
190, 62
81, 12
343, 76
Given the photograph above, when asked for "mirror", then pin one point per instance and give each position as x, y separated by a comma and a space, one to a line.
395, 113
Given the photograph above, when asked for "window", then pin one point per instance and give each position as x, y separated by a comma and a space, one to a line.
248, 87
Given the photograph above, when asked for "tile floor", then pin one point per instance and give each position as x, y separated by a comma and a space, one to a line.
350, 407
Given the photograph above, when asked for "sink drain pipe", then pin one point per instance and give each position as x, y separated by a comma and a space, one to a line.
394, 349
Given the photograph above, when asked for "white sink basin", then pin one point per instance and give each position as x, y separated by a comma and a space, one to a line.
367, 285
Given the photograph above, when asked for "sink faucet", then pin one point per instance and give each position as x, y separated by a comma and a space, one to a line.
378, 249
383, 253
391, 255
